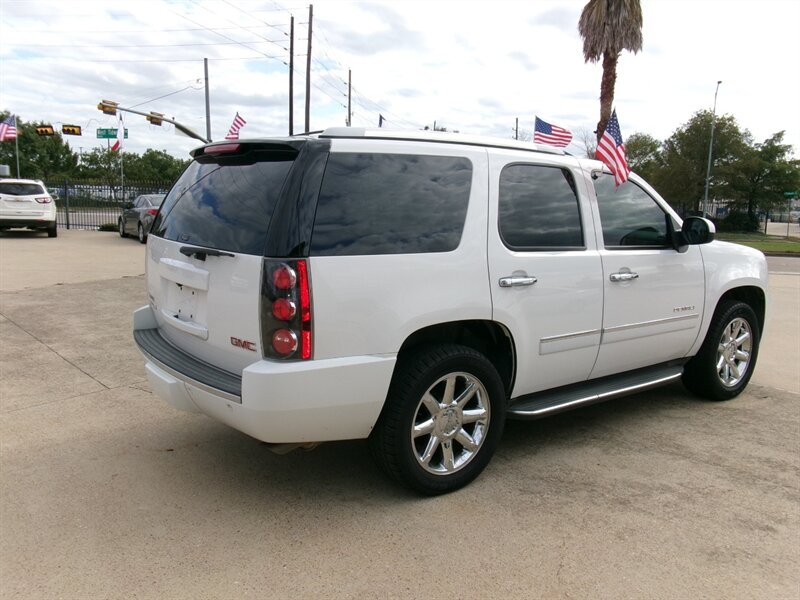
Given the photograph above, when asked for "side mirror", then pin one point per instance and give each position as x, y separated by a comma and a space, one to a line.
695, 231
127, 205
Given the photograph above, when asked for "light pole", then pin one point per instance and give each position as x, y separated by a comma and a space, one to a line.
710, 149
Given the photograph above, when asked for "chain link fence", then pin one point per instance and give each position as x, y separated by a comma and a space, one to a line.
92, 205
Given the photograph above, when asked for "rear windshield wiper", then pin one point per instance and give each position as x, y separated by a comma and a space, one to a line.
201, 253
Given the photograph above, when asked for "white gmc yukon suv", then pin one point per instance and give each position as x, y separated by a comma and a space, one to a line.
419, 288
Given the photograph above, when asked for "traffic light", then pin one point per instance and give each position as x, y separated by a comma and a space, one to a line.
45, 130
108, 107
71, 130
155, 118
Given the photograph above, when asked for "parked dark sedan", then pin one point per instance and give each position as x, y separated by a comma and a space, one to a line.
137, 216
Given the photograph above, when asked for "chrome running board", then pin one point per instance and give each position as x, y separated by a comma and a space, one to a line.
543, 404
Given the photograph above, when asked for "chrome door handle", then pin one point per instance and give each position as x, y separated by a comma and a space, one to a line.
623, 276
517, 281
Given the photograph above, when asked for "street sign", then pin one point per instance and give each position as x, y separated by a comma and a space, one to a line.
109, 134
790, 194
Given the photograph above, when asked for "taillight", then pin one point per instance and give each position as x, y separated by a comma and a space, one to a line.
152, 212
44, 200
286, 312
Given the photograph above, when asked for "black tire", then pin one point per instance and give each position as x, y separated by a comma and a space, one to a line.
141, 234
121, 227
716, 371
425, 374
52, 231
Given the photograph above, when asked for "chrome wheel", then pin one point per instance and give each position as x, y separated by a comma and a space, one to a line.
450, 423
733, 352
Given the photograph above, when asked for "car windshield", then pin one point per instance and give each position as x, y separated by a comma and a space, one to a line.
15, 188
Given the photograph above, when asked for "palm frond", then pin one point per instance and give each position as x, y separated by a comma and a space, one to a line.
610, 26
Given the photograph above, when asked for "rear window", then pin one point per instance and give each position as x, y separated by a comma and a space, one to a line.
11, 188
227, 207
391, 204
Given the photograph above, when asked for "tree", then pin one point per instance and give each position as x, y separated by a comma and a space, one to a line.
684, 158
644, 154
608, 27
40, 157
759, 177
100, 165
586, 138
153, 165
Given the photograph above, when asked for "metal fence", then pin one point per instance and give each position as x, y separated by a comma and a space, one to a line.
91, 205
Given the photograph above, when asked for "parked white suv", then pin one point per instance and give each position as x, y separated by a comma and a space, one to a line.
26, 203
418, 288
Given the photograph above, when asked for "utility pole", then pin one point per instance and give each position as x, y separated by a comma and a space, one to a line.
710, 149
208, 102
516, 130
349, 94
308, 67
291, 76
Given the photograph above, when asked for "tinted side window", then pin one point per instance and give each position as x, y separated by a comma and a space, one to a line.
225, 207
391, 204
629, 215
538, 208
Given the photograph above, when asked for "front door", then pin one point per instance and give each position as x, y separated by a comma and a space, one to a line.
653, 294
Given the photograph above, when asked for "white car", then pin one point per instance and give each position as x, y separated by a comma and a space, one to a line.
417, 288
26, 203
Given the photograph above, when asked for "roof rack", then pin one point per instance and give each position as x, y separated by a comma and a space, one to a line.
445, 137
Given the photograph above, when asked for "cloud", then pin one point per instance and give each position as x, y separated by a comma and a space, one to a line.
524, 60
565, 19
392, 33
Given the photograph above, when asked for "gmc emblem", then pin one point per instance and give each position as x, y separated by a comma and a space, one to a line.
243, 344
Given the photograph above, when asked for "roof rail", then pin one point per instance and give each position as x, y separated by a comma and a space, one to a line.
426, 135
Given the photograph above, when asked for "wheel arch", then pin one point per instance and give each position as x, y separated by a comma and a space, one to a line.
487, 337
751, 295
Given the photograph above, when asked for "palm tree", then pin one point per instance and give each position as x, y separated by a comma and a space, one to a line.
608, 27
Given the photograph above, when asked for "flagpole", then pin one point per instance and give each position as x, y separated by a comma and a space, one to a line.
16, 146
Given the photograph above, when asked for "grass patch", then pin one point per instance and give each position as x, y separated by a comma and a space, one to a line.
765, 243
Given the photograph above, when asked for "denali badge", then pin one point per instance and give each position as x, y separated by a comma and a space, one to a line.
243, 344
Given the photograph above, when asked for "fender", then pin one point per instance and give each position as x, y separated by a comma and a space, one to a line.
727, 267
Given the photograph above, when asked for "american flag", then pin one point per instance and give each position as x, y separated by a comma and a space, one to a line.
8, 129
611, 151
544, 133
233, 132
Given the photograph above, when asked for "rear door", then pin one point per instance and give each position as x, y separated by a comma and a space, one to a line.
205, 253
545, 272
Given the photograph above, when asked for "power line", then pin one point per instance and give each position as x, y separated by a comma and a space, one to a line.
244, 45
140, 45
188, 87
125, 31
251, 15
229, 21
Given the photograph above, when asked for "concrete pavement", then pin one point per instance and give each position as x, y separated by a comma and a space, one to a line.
106, 492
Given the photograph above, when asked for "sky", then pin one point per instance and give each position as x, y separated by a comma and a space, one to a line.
470, 66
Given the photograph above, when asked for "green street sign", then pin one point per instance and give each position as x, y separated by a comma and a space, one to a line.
109, 134
790, 194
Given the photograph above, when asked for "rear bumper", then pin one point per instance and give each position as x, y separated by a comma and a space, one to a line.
29, 223
273, 401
